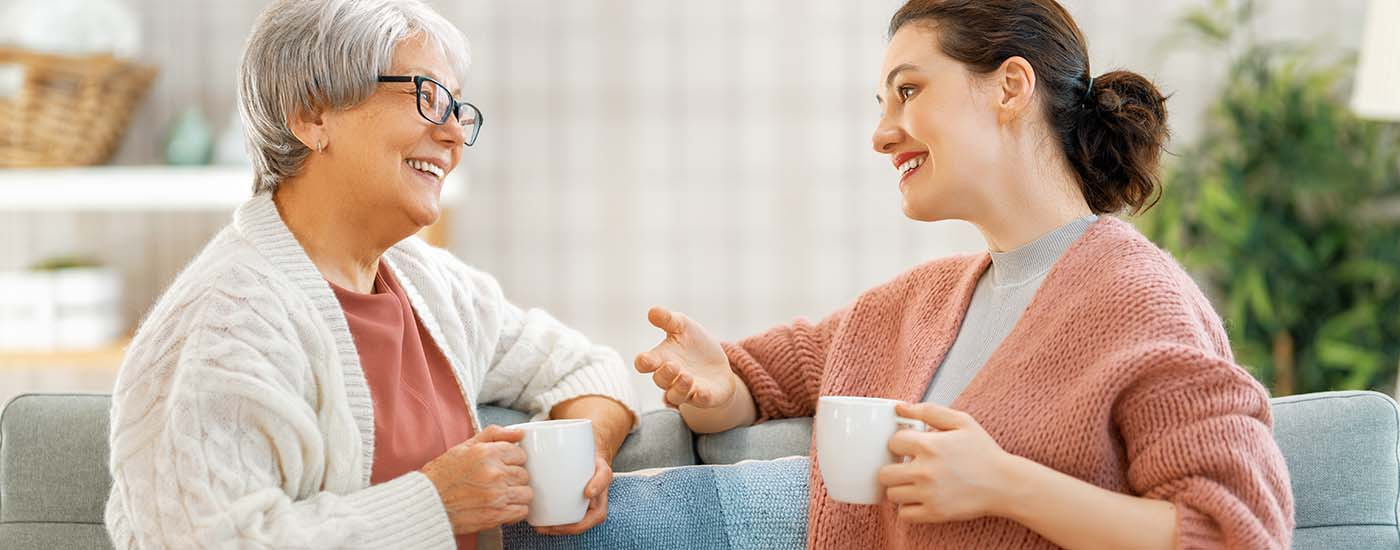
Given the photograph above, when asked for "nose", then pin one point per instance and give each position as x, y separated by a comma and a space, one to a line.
887, 136
450, 132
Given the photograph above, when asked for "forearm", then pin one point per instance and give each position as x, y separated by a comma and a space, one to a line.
611, 420
739, 411
1075, 514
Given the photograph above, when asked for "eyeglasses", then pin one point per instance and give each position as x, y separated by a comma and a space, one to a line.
436, 104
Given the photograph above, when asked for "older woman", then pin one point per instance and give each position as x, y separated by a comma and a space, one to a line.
310, 379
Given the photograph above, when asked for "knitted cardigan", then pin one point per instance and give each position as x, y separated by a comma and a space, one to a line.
1118, 373
241, 416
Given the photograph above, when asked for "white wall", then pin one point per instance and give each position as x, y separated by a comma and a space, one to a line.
711, 156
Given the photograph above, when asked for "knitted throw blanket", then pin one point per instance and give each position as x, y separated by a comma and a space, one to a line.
755, 505
1118, 373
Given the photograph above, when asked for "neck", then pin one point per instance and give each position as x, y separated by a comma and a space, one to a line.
1040, 201
343, 243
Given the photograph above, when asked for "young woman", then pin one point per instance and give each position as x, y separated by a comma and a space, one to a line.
1079, 388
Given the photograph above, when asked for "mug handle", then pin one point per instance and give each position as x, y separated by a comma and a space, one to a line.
901, 422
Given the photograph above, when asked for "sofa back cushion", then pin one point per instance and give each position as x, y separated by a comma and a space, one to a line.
1341, 449
53, 471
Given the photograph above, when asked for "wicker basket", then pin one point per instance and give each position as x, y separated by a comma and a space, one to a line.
69, 111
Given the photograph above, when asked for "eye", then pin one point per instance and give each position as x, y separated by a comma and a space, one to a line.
905, 92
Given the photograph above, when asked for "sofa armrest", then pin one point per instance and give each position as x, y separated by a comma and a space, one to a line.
766, 441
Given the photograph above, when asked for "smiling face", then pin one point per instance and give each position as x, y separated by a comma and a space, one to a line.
389, 159
939, 126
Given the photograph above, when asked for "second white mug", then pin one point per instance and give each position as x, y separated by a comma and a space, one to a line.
853, 435
560, 458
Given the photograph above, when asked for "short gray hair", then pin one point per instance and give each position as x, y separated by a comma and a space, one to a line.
324, 55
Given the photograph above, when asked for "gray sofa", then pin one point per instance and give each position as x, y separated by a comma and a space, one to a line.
1342, 449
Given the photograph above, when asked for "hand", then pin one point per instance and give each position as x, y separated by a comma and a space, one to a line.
482, 482
688, 365
956, 471
597, 494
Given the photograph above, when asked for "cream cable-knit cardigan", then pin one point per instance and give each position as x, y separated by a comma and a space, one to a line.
241, 417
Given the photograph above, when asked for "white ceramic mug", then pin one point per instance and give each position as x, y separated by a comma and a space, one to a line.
559, 455
853, 435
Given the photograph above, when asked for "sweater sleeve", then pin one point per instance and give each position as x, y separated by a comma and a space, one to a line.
215, 443
536, 361
783, 367
1198, 434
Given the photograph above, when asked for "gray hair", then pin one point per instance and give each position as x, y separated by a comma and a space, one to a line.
323, 55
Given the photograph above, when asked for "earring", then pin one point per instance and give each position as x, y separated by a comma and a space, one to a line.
320, 146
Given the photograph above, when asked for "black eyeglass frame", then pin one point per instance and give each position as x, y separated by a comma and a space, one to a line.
454, 106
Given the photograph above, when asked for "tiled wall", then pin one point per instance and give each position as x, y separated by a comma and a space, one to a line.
711, 156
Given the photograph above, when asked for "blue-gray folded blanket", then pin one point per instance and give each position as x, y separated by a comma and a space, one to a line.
750, 505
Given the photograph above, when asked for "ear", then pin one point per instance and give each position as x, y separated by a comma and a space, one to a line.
309, 126
1015, 80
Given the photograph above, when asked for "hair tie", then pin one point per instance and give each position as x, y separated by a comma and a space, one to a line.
1089, 91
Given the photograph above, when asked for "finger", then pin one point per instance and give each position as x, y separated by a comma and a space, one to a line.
602, 477
646, 362
894, 475
937, 417
665, 377
911, 443
517, 476
903, 494
498, 434
520, 495
508, 454
676, 396
681, 389
912, 512
671, 322
514, 513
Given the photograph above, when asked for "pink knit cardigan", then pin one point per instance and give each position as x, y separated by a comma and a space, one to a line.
1118, 373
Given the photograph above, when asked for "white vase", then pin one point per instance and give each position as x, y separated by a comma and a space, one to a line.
77, 308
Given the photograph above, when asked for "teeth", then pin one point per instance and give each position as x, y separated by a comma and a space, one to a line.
911, 164
426, 167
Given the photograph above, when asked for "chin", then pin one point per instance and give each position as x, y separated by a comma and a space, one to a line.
920, 210
423, 211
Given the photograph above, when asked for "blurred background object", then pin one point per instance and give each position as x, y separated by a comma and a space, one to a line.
72, 27
1377, 93
68, 85
710, 156
60, 303
190, 142
1270, 208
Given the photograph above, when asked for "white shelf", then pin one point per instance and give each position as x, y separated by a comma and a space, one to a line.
119, 188
138, 188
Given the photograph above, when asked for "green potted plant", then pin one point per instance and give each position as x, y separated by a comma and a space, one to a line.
1285, 211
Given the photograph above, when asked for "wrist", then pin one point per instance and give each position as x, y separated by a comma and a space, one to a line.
1018, 481
733, 390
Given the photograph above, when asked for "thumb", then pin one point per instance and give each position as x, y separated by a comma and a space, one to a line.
671, 322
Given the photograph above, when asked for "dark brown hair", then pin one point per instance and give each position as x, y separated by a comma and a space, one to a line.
1112, 127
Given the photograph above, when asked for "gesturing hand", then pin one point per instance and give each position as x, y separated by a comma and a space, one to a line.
688, 365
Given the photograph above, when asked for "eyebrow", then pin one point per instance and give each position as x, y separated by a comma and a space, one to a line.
889, 78
433, 75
